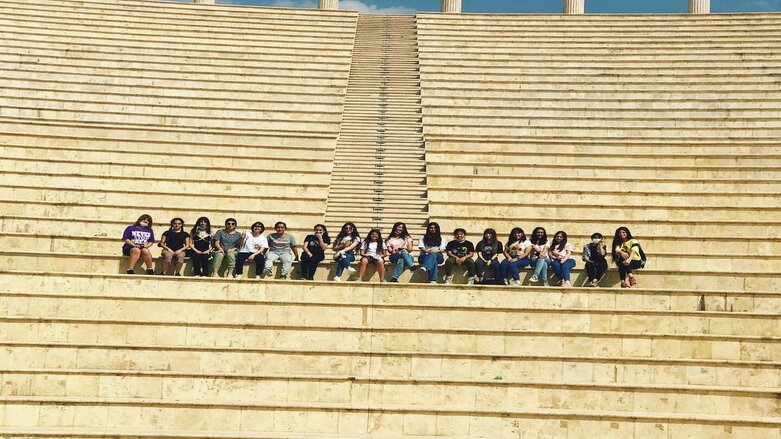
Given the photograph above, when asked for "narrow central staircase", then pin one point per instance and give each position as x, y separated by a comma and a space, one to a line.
379, 174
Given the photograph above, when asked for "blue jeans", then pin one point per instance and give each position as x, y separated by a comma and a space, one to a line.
431, 262
495, 265
513, 269
541, 269
561, 269
344, 262
404, 260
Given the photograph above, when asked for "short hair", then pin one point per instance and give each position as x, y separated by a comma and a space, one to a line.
459, 230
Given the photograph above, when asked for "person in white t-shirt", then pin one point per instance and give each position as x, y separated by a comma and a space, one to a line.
253, 249
539, 255
561, 260
373, 251
516, 256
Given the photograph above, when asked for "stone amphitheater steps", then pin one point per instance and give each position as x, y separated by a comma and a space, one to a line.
380, 146
76, 384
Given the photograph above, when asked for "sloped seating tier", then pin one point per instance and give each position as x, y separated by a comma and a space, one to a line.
666, 124
84, 352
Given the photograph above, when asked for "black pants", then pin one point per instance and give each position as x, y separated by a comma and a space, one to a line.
623, 270
309, 266
200, 264
596, 269
241, 259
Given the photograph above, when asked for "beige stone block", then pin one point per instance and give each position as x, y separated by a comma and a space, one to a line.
419, 424
577, 372
451, 425
390, 366
757, 351
665, 348
602, 300
19, 415
322, 422
484, 426
60, 358
686, 431
575, 322
290, 420
224, 419
636, 374
91, 416
49, 385
353, 423
426, 367
460, 343
256, 420
157, 418
124, 417
695, 349
650, 430
638, 347
491, 396
574, 300
272, 390
388, 424
602, 322
302, 391
457, 368
15, 384
55, 416
725, 350
519, 397
605, 373
186, 418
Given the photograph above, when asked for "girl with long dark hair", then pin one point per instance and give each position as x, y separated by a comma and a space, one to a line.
399, 245
539, 255
626, 256
488, 250
431, 249
175, 242
315, 246
201, 248
516, 254
561, 260
344, 245
373, 251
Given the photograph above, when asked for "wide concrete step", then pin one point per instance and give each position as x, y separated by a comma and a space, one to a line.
249, 388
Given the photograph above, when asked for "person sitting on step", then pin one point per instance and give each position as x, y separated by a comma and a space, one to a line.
516, 254
460, 252
201, 248
253, 248
431, 249
488, 250
399, 246
373, 251
539, 255
281, 245
314, 248
175, 242
594, 256
627, 255
561, 259
137, 240
344, 245
226, 244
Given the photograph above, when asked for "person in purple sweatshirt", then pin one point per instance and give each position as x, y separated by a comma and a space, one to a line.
137, 240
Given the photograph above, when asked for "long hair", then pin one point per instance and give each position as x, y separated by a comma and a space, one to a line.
433, 239
326, 238
559, 246
617, 241
540, 241
142, 218
511, 239
342, 233
194, 231
404, 233
379, 240
492, 237
174, 220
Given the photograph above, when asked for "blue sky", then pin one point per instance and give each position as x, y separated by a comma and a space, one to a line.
529, 6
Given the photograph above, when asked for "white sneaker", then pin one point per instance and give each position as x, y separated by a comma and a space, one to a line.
470, 281
267, 272
516, 283
350, 270
534, 279
238, 276
507, 282
432, 282
337, 279
422, 269
257, 277
449, 279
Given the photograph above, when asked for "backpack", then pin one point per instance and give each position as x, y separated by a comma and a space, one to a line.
643, 258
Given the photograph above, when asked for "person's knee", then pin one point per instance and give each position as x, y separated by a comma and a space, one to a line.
135, 251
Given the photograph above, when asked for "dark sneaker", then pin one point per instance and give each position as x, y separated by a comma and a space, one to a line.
150, 272
131, 272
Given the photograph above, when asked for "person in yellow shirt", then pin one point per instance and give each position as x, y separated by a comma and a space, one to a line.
626, 256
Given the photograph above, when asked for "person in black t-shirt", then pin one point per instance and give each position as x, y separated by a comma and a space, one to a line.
460, 252
488, 251
314, 251
175, 243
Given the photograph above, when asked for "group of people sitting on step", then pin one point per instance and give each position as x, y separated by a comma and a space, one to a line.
231, 250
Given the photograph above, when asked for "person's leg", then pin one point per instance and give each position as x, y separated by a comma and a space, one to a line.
166, 256
304, 265
449, 263
287, 263
362, 270
434, 272
146, 256
634, 265
497, 269
241, 258
179, 263
230, 262
134, 255
479, 267
217, 258
469, 263
399, 267
260, 262
566, 268
313, 267
591, 271
204, 264
380, 264
196, 258
269, 263
600, 269
555, 266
